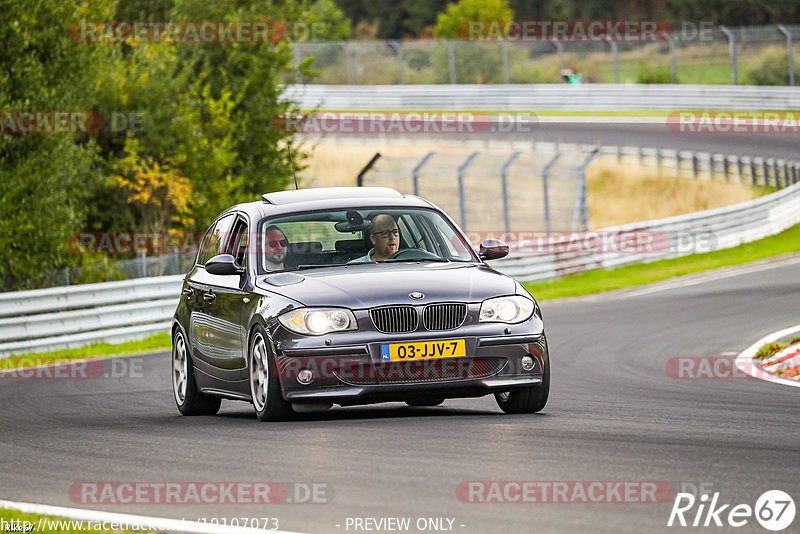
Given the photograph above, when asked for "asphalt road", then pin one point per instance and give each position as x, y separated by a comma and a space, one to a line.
620, 132
614, 415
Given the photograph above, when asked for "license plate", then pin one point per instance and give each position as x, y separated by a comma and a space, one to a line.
423, 350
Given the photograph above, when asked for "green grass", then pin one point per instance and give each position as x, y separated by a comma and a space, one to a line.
63, 526
597, 281
157, 342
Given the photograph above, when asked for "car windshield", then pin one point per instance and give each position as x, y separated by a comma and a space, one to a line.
363, 235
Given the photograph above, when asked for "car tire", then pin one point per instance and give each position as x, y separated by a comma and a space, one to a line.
265, 387
424, 402
184, 387
528, 400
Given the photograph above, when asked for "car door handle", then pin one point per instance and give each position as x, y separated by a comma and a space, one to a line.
188, 291
209, 296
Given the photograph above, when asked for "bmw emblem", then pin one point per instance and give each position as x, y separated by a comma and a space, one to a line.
416, 295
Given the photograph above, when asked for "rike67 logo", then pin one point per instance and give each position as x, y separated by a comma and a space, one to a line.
774, 510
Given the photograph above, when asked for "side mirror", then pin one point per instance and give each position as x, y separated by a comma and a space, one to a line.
224, 265
492, 249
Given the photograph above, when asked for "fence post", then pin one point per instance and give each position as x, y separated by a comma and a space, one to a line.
740, 164
504, 182
614, 57
753, 175
415, 172
559, 46
298, 60
673, 57
581, 208
788, 35
506, 63
401, 68
776, 172
732, 48
765, 170
451, 59
365, 170
351, 68
461, 170
545, 176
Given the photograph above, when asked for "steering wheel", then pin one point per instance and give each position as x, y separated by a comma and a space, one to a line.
412, 254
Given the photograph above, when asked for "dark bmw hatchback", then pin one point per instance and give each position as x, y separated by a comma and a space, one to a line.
348, 296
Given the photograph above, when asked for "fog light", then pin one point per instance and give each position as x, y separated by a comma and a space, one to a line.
527, 363
305, 377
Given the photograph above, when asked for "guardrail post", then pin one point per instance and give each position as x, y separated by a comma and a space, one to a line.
504, 183
726, 167
695, 165
785, 173
451, 60
788, 35
351, 68
765, 170
506, 64
794, 172
417, 168
545, 177
559, 46
711, 166
401, 67
614, 57
753, 175
732, 48
461, 170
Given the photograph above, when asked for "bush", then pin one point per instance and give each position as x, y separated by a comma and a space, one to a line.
770, 68
768, 350
650, 74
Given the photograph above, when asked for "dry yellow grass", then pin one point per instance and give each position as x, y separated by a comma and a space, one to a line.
629, 193
617, 194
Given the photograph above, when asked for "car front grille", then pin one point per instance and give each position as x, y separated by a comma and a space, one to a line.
444, 316
395, 319
439, 370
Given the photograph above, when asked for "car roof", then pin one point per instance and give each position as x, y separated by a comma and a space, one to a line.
322, 198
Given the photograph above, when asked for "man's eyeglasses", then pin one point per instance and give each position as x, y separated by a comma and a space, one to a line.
386, 233
274, 243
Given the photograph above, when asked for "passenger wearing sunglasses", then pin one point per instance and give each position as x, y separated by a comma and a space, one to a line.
275, 248
385, 239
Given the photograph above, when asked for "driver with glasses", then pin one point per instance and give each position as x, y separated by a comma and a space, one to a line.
385, 239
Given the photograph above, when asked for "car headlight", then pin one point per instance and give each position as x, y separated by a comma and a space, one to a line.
514, 309
318, 321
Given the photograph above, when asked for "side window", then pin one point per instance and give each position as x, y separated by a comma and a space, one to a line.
238, 245
216, 239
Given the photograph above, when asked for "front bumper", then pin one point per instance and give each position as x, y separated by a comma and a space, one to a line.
356, 374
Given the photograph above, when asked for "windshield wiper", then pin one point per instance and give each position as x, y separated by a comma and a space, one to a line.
398, 260
318, 266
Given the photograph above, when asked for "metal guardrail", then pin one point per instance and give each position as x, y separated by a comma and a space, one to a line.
73, 316
718, 228
541, 97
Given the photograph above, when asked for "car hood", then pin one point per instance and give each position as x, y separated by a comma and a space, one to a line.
367, 285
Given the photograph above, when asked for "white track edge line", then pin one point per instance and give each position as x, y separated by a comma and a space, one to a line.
158, 523
709, 278
744, 361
